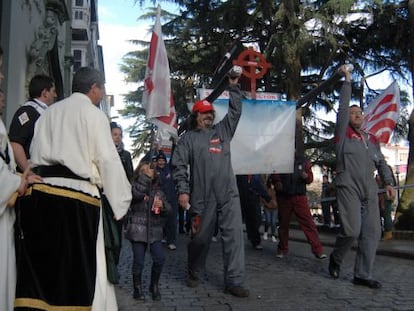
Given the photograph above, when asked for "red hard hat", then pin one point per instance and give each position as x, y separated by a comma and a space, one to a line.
202, 106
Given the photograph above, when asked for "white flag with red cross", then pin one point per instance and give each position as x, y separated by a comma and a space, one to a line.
157, 84
382, 113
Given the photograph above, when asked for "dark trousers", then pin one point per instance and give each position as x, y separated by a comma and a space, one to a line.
326, 212
253, 221
297, 204
171, 225
157, 254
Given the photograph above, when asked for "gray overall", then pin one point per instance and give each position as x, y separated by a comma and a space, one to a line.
358, 155
214, 197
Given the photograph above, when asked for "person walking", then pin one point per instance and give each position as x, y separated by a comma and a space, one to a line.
251, 190
326, 202
167, 185
211, 183
271, 212
61, 251
358, 155
124, 155
291, 198
146, 219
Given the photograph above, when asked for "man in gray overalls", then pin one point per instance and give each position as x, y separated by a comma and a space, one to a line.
358, 155
210, 180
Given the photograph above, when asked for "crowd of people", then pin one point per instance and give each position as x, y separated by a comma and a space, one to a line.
60, 160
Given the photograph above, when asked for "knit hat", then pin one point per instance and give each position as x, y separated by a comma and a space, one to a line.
161, 155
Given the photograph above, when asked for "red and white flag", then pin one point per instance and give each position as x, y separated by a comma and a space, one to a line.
382, 113
167, 125
157, 84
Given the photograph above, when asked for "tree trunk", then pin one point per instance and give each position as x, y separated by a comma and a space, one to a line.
404, 219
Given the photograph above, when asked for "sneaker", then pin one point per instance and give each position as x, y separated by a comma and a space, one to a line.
172, 247
237, 291
274, 240
321, 256
265, 236
280, 255
214, 239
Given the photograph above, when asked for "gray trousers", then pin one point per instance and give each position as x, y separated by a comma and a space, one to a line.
361, 221
229, 221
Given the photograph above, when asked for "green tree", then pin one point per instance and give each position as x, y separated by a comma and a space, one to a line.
305, 41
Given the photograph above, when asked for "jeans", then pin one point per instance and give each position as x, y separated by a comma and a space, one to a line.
138, 251
271, 220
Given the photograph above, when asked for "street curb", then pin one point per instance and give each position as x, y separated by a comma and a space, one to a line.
401, 248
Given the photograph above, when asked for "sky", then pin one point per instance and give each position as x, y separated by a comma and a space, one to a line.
118, 23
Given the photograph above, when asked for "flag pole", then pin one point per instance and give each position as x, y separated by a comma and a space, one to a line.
152, 139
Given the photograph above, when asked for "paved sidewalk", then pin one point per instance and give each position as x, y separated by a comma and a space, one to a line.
297, 282
395, 248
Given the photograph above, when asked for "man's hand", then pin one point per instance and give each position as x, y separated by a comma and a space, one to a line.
343, 71
184, 200
23, 185
33, 178
235, 74
390, 192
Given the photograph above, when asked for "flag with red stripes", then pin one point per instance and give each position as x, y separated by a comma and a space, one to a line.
382, 113
157, 84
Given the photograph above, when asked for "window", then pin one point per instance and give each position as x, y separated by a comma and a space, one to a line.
79, 15
79, 3
77, 59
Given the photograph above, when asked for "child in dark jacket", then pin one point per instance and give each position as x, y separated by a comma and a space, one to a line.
146, 219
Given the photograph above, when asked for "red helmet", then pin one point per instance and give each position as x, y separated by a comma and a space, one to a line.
202, 106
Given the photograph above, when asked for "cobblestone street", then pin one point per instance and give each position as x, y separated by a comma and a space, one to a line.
297, 282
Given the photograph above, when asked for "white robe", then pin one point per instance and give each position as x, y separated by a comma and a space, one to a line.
9, 182
75, 133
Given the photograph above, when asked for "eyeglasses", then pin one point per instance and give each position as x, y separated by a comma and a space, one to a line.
356, 113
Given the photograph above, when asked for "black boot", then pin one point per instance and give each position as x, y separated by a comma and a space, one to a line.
154, 289
138, 293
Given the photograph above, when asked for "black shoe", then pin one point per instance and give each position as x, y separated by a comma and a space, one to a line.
334, 268
237, 291
192, 280
138, 293
154, 286
368, 283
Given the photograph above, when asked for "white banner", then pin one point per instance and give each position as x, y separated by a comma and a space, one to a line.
264, 141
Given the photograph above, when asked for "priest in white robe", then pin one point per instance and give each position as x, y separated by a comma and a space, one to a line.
72, 149
10, 183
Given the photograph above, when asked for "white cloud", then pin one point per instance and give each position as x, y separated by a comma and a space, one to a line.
114, 40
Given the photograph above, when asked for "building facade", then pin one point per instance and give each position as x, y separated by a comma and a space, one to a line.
54, 37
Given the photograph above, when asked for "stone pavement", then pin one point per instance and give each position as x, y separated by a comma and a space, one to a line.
297, 282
